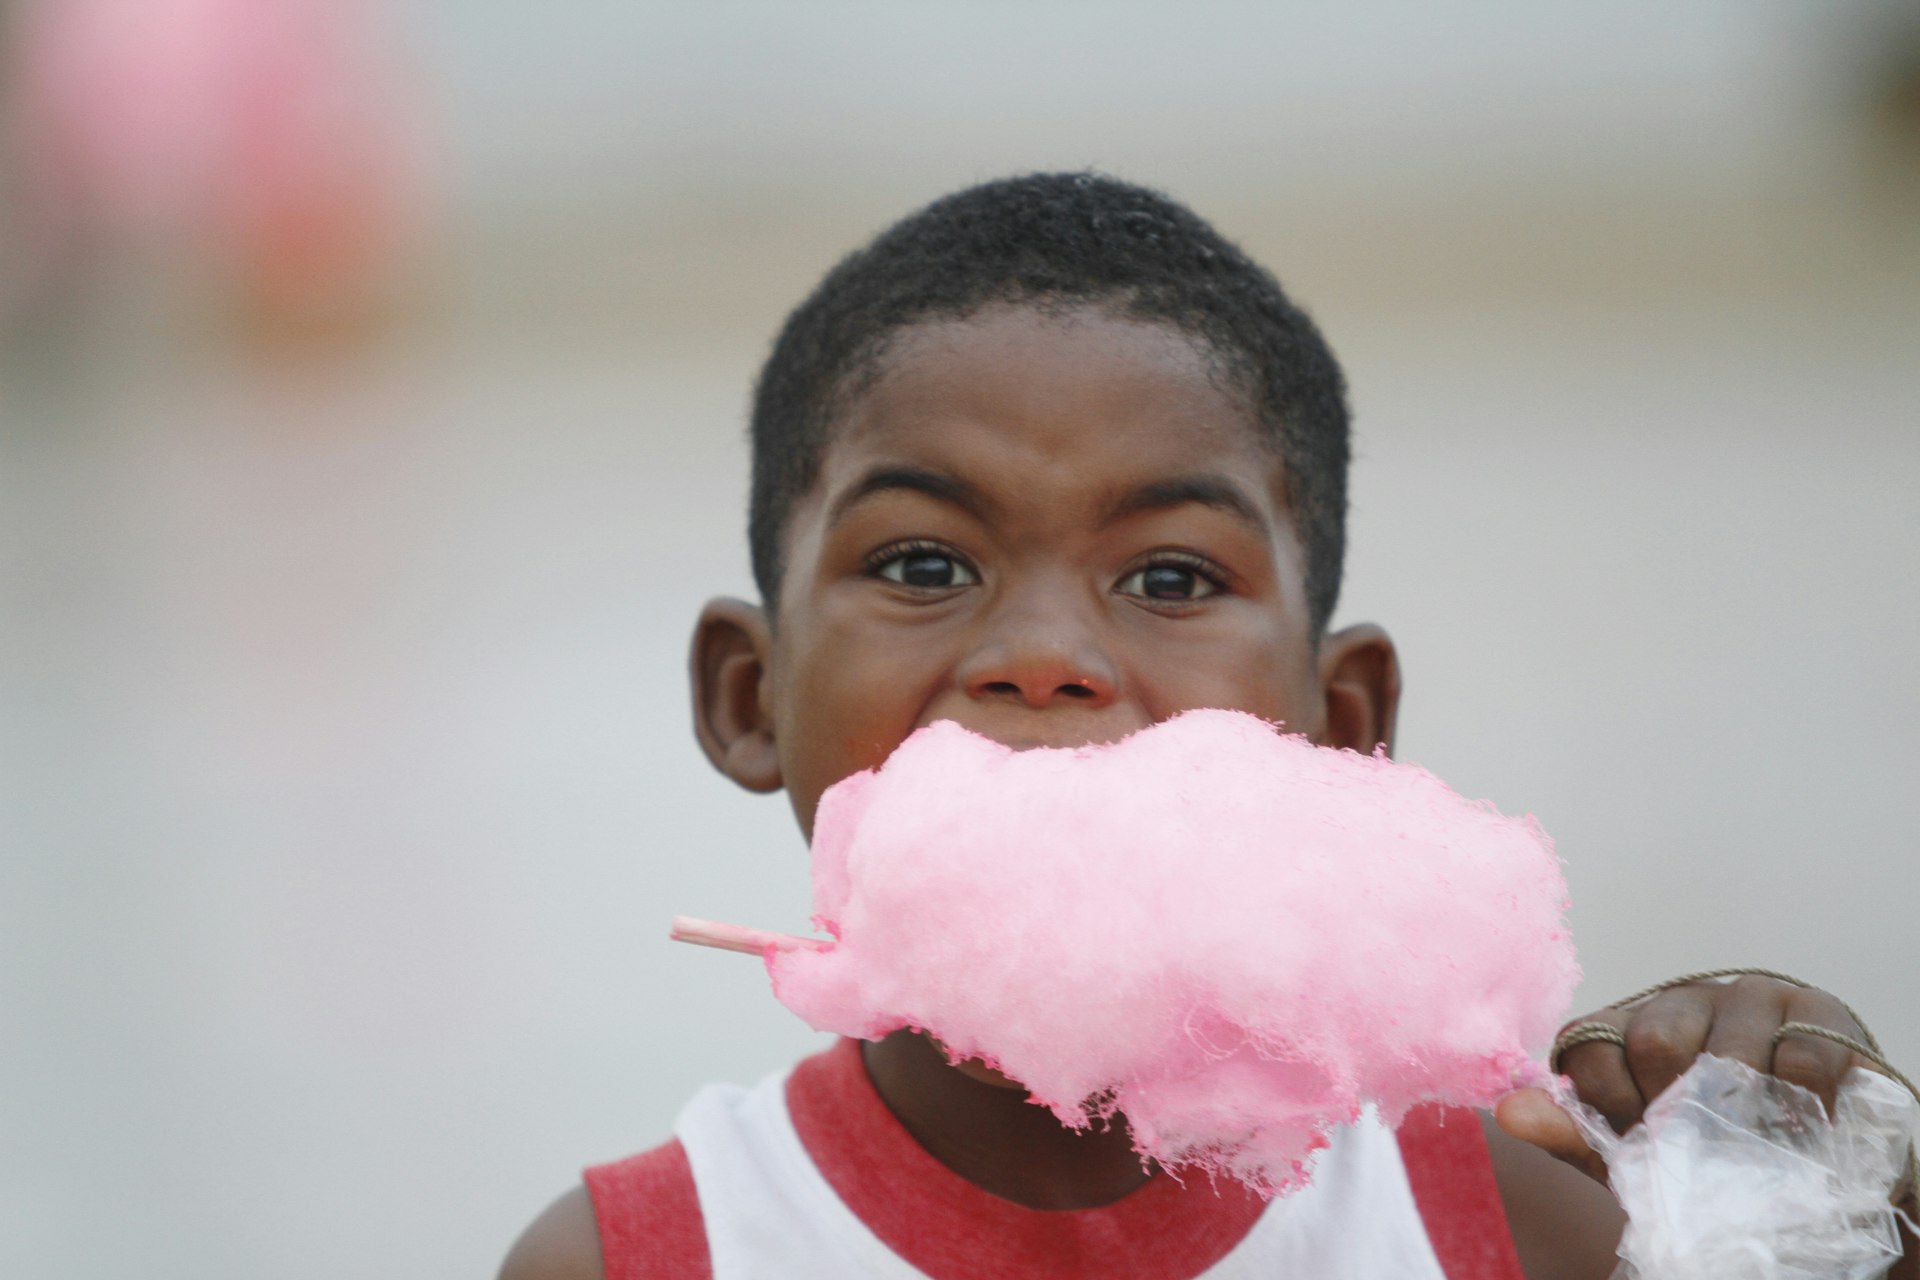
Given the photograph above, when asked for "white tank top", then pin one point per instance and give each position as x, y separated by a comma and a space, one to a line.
769, 1212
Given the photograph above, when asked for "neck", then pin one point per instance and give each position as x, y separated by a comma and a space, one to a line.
991, 1135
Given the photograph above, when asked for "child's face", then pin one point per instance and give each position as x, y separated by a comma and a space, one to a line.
1054, 529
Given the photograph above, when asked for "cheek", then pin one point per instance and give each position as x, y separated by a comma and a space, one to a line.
1263, 669
859, 681
847, 694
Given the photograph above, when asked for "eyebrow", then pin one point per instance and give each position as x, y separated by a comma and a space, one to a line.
1213, 491
935, 484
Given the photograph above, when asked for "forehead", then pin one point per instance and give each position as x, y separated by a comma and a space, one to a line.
1079, 394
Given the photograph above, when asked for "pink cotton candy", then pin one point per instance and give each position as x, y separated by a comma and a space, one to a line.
1231, 936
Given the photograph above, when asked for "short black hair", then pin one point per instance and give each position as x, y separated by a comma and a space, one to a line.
1050, 239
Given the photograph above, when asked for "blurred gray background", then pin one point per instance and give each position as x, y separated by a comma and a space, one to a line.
346, 784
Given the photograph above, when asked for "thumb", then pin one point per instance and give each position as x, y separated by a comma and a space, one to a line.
1532, 1116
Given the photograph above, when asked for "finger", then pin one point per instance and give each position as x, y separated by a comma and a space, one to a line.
1665, 1035
1599, 1074
1746, 1013
1532, 1116
1812, 1063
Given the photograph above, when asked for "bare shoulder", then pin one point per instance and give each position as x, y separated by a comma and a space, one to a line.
561, 1244
1565, 1225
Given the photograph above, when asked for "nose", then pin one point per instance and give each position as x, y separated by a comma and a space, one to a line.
1041, 654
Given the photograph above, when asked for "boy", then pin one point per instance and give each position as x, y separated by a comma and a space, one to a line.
1053, 459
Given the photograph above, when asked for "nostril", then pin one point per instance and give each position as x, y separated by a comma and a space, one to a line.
1079, 690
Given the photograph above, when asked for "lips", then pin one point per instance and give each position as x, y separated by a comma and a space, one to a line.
1064, 731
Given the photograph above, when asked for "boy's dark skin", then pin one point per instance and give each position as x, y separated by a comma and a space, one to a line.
1057, 527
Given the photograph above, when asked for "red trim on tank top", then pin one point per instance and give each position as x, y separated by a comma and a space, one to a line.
650, 1223
952, 1230
1451, 1171
649, 1217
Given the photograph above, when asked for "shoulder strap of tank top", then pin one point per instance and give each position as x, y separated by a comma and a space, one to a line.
1445, 1153
648, 1216
768, 1211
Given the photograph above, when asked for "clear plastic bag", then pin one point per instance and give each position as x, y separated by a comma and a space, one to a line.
1735, 1175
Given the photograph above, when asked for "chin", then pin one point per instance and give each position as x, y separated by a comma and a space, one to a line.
975, 1069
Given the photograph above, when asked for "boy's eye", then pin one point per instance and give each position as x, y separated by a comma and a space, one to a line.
1168, 582
925, 568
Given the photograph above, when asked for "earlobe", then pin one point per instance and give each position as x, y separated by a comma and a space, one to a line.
1360, 674
732, 713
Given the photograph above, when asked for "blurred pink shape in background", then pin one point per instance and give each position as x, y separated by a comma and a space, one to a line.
270, 141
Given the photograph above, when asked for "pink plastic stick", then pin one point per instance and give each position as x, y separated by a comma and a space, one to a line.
735, 937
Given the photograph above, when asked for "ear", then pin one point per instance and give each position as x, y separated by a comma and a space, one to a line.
732, 702
1360, 673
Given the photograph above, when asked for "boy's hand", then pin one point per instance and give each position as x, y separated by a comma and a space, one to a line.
1664, 1034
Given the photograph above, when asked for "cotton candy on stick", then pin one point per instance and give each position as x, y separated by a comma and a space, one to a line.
1227, 934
